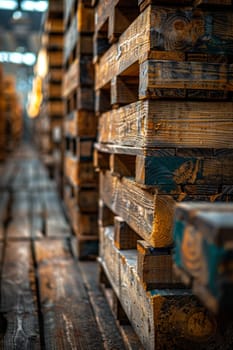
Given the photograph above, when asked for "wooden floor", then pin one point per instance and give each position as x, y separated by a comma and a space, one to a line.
49, 300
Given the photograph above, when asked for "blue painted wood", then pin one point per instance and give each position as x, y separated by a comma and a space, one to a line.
204, 251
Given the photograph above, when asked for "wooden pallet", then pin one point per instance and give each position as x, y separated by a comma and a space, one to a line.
180, 170
166, 318
79, 24
111, 20
203, 254
148, 212
86, 198
145, 65
154, 265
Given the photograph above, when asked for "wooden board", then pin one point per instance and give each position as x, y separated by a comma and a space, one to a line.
79, 173
67, 327
111, 20
85, 198
165, 170
109, 331
80, 123
19, 228
149, 214
174, 124
166, 34
79, 73
203, 254
166, 318
195, 3
18, 298
51, 250
169, 79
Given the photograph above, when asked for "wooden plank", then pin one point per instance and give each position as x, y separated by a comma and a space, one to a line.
148, 213
19, 228
60, 287
56, 226
18, 298
181, 170
124, 236
80, 123
174, 33
203, 237
79, 173
164, 318
196, 3
174, 124
51, 250
85, 198
180, 79
80, 73
106, 323
154, 267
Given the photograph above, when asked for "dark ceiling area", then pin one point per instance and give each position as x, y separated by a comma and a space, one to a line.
20, 30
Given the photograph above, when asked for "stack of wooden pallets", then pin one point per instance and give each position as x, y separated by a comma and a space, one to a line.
80, 184
163, 85
52, 109
2, 119
12, 111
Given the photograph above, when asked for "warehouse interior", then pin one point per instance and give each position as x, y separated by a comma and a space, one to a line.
116, 174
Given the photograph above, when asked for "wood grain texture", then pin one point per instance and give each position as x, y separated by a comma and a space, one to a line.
18, 298
79, 73
80, 123
181, 170
175, 124
79, 173
67, 327
203, 237
167, 318
150, 216
107, 325
177, 78
172, 32
154, 267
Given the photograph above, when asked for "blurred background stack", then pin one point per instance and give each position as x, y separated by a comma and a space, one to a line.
80, 182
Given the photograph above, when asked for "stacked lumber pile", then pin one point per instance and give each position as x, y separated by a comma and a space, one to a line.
52, 109
13, 112
2, 119
203, 233
80, 183
163, 85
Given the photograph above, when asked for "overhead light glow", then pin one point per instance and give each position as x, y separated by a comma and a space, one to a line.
8, 4
27, 58
17, 15
39, 6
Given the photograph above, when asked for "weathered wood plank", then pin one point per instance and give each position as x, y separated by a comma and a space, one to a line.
150, 214
180, 79
107, 325
203, 253
195, 3
51, 250
85, 198
18, 298
67, 327
172, 32
19, 228
79, 173
80, 123
175, 124
79, 73
166, 318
